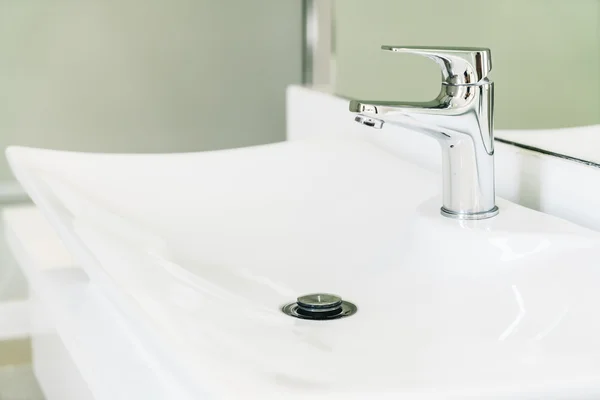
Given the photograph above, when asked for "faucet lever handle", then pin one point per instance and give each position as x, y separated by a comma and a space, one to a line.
460, 65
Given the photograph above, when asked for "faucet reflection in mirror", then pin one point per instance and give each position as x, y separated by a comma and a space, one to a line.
460, 118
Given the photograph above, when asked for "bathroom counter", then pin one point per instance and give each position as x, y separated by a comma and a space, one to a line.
83, 348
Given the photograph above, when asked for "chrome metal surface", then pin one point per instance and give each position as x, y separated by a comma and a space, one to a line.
459, 65
319, 302
372, 122
460, 118
317, 49
309, 24
470, 216
319, 306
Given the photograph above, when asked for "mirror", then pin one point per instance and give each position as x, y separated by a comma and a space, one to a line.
546, 61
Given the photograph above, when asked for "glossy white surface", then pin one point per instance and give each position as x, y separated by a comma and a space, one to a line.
14, 307
202, 249
555, 186
82, 347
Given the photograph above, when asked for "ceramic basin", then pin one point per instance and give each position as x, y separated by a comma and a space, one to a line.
202, 250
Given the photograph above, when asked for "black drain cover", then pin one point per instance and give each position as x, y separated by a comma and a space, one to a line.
319, 306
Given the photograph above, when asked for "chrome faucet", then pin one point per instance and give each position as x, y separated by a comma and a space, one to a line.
460, 118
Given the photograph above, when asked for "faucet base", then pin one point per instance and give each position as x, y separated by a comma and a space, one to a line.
470, 216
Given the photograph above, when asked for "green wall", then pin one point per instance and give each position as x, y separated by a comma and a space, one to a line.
546, 54
146, 75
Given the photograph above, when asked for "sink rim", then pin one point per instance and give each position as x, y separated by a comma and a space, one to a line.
508, 206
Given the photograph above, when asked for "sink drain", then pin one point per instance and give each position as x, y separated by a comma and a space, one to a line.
320, 306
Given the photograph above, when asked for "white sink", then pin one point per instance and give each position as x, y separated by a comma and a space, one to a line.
202, 250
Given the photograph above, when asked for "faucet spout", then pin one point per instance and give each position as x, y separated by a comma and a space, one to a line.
369, 121
461, 120
376, 113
